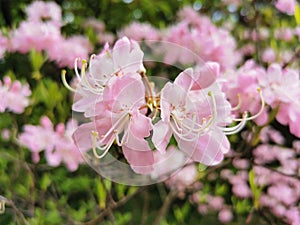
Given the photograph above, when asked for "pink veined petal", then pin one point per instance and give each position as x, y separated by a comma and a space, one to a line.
208, 149
206, 75
125, 92
294, 125
140, 125
283, 114
275, 72
101, 67
140, 161
82, 136
135, 143
172, 96
120, 53
83, 104
185, 79
161, 136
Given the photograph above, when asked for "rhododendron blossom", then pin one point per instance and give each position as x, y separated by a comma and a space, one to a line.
57, 143
14, 95
124, 109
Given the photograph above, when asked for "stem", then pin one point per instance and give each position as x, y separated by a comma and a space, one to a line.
165, 207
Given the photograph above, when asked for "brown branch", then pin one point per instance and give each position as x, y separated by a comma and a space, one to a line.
165, 207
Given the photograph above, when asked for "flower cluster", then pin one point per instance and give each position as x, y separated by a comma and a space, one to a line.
14, 95
280, 87
57, 143
41, 32
126, 109
196, 39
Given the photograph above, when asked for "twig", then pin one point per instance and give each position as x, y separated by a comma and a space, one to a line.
145, 208
165, 207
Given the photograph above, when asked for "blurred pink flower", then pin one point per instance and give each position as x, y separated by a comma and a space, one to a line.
241, 88
285, 34
65, 51
198, 39
269, 55
65, 151
140, 31
14, 95
286, 6
3, 45
57, 144
38, 138
270, 134
46, 12
225, 215
34, 35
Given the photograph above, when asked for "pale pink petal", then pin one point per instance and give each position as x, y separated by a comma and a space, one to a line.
206, 75
140, 125
161, 136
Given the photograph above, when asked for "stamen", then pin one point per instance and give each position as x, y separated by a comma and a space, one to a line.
238, 106
86, 81
76, 69
179, 134
237, 128
116, 126
105, 148
63, 77
261, 109
116, 132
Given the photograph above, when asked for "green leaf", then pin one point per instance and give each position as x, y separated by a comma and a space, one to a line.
45, 182
256, 191
37, 59
101, 193
297, 14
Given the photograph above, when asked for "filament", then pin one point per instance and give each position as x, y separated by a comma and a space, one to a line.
76, 68
63, 77
237, 128
117, 127
238, 106
261, 108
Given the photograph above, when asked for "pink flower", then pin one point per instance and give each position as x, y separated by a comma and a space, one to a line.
125, 57
241, 89
270, 134
3, 45
38, 138
34, 35
65, 51
140, 31
57, 144
65, 151
40, 11
269, 55
225, 215
121, 115
14, 95
285, 34
184, 104
286, 6
198, 39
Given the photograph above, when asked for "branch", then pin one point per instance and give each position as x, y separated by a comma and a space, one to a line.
165, 207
